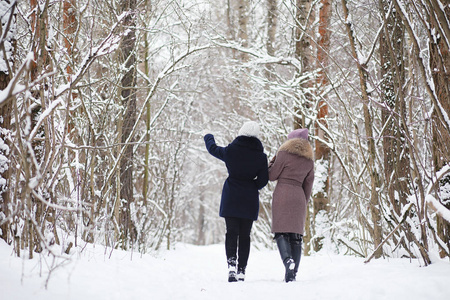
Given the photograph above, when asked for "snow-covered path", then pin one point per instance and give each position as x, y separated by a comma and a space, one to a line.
193, 272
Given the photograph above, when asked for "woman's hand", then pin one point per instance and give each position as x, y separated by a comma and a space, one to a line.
272, 161
204, 132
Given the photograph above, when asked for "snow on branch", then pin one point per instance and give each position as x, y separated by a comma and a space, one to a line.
13, 87
262, 58
107, 46
169, 69
440, 209
44, 115
444, 22
8, 27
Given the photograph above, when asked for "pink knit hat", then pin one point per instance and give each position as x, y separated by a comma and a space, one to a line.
301, 133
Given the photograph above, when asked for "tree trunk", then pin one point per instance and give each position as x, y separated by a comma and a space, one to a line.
5, 124
148, 9
128, 93
242, 29
303, 52
39, 24
440, 66
395, 148
322, 152
368, 125
392, 72
201, 238
70, 24
272, 20
33, 213
7, 51
304, 17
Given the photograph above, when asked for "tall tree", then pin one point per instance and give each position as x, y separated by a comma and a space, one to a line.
39, 27
7, 49
303, 53
33, 212
128, 99
147, 9
243, 16
272, 19
322, 151
375, 182
70, 24
439, 18
394, 115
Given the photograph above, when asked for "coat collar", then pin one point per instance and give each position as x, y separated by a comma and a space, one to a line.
248, 142
298, 147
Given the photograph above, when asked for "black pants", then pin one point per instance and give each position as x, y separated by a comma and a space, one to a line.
237, 239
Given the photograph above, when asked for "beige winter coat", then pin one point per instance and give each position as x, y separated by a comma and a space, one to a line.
293, 168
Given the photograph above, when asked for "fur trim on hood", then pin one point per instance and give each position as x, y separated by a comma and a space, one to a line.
299, 147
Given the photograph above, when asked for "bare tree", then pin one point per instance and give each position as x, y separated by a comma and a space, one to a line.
128, 98
304, 14
303, 53
322, 151
272, 19
368, 125
438, 17
243, 16
7, 49
396, 150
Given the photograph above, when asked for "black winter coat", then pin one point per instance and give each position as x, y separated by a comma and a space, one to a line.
247, 173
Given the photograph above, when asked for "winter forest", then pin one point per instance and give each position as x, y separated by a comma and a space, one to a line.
104, 103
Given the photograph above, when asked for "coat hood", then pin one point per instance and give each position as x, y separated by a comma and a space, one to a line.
298, 147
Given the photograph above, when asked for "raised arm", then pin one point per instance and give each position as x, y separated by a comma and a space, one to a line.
212, 147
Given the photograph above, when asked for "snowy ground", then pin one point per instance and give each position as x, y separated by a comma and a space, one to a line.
193, 272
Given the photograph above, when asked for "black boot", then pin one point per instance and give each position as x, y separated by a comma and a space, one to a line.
296, 249
286, 255
232, 269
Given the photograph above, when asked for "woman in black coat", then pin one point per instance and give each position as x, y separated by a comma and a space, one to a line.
247, 174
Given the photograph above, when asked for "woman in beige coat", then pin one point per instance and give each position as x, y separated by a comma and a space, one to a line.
293, 169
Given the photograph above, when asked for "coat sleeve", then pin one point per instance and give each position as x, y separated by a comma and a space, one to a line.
263, 175
213, 149
276, 167
308, 184
272, 161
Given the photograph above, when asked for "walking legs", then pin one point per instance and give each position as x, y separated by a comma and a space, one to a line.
237, 246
